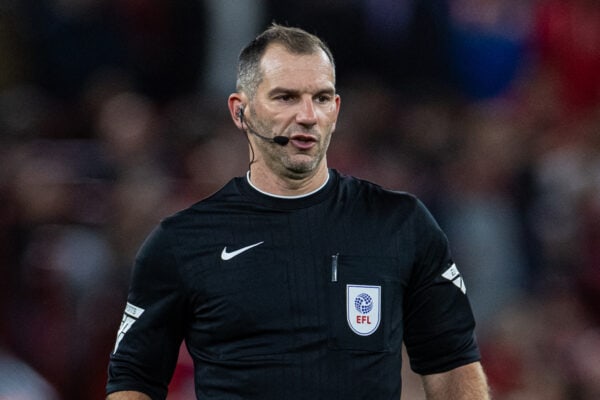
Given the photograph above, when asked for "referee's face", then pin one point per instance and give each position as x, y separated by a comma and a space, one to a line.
296, 99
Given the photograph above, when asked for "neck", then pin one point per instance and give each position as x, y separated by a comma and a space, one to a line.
277, 185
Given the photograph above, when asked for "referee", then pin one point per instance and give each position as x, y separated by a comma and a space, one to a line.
295, 281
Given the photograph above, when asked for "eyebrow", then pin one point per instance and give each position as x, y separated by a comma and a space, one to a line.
295, 92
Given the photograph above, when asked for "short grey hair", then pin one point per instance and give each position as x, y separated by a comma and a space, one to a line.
295, 40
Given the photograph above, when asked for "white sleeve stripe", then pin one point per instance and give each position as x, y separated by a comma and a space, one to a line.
452, 274
130, 316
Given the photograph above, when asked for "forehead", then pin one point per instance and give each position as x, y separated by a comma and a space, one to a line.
281, 67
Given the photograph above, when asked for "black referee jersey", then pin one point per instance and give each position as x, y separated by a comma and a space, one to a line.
294, 298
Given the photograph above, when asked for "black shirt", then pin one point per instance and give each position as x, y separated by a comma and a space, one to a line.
303, 298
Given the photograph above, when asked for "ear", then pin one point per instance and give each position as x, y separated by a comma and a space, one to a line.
236, 102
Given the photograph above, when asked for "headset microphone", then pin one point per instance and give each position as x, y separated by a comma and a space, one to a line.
280, 140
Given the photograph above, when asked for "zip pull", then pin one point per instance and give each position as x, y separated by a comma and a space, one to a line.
334, 267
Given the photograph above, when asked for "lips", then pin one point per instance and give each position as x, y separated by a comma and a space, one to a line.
303, 142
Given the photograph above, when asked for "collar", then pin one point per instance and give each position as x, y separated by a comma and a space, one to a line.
269, 200
278, 196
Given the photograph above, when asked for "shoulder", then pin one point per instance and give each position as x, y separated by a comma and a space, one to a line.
375, 194
211, 204
372, 202
364, 186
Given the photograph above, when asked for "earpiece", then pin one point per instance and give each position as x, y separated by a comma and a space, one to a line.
240, 113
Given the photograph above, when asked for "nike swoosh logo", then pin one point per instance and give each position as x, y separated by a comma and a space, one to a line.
225, 255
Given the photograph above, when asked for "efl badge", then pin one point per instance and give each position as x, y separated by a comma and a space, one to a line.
363, 308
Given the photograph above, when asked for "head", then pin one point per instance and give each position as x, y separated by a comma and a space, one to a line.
286, 87
294, 40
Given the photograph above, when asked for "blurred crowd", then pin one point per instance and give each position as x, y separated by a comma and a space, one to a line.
113, 115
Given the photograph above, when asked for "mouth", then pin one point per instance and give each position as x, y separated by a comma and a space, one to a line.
303, 142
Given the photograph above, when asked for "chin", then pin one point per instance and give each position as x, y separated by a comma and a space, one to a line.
306, 164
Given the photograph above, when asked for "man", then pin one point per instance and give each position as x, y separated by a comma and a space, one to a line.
295, 282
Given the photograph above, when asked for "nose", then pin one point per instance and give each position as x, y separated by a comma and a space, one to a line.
306, 115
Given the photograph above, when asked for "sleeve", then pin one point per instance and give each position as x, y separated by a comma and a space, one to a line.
439, 323
153, 323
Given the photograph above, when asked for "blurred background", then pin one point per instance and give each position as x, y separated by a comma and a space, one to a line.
113, 115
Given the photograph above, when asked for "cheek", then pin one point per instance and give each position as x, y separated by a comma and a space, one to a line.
332, 116
333, 126
326, 141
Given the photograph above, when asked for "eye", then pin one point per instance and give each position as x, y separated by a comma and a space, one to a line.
285, 97
323, 98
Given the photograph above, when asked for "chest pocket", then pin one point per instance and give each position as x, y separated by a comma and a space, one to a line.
365, 300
